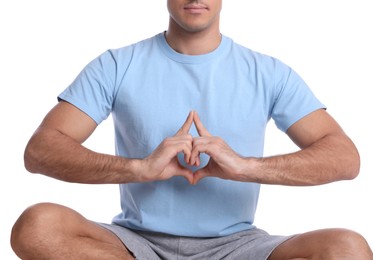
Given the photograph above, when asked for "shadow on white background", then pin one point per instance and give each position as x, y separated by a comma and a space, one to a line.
45, 44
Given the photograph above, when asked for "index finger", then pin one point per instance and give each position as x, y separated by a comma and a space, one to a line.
187, 124
201, 129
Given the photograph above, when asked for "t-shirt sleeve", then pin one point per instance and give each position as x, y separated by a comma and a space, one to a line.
94, 89
294, 99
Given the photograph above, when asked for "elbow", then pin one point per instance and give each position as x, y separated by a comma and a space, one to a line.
354, 172
352, 168
30, 159
29, 166
28, 163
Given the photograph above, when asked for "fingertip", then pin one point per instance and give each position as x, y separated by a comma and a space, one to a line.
191, 162
187, 158
195, 114
198, 161
196, 178
190, 178
191, 114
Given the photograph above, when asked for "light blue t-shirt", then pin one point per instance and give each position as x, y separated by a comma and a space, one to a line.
150, 89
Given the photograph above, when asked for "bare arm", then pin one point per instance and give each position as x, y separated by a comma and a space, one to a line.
56, 150
326, 155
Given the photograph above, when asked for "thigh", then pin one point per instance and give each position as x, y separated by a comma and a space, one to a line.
143, 244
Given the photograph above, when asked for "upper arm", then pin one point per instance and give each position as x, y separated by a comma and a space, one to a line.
313, 127
69, 121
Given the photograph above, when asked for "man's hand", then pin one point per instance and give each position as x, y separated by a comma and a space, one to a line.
163, 164
224, 162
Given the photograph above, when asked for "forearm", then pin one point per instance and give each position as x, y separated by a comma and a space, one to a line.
56, 155
332, 158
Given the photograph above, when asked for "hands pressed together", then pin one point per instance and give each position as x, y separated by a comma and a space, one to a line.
163, 163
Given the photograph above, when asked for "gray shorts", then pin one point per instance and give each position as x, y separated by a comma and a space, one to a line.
254, 244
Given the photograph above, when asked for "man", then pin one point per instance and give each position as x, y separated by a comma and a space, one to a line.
189, 187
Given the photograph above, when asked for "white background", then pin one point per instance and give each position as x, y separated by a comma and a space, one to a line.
45, 44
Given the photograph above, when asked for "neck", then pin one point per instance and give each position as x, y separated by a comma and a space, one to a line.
192, 43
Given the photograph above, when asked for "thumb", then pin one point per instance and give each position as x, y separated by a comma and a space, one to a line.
199, 175
186, 173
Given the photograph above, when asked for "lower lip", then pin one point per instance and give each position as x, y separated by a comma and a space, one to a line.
196, 10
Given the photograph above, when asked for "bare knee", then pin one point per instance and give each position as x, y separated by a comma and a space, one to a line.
342, 244
50, 231
34, 226
351, 243
325, 244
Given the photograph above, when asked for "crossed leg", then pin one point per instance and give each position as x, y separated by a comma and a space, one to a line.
326, 244
50, 231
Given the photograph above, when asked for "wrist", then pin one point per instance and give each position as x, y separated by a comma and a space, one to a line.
249, 169
131, 170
